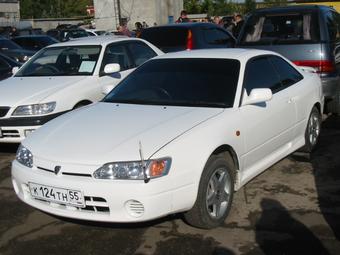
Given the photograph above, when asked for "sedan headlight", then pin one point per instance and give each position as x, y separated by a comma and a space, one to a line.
134, 170
24, 156
34, 109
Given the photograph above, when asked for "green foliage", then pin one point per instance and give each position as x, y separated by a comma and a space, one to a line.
214, 7
249, 5
275, 2
53, 8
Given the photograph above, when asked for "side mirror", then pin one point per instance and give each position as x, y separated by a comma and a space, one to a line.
111, 68
106, 89
257, 96
15, 70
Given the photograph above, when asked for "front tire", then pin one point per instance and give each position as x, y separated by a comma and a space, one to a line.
313, 129
215, 194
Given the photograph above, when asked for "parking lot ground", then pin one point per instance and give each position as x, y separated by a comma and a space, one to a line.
292, 208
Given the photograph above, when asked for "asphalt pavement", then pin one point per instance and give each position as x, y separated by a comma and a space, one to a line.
292, 208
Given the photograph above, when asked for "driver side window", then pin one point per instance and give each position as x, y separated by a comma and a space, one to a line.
116, 54
260, 73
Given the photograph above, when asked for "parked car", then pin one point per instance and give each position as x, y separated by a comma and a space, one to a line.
188, 36
179, 134
63, 35
95, 32
34, 42
14, 51
308, 35
6, 66
30, 31
65, 76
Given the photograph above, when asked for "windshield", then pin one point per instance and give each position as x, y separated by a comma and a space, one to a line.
180, 82
8, 45
283, 28
62, 61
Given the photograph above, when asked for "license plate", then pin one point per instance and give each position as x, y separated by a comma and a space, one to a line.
57, 195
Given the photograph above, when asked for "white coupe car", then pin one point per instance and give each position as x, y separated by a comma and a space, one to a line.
63, 77
179, 134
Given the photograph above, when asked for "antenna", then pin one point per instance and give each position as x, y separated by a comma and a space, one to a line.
146, 178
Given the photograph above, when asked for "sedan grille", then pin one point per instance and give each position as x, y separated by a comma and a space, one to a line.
3, 111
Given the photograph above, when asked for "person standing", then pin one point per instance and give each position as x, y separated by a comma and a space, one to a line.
238, 25
183, 18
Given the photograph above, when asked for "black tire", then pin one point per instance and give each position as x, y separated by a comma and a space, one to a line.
202, 214
313, 129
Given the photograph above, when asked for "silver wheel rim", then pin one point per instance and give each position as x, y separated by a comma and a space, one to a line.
313, 128
218, 193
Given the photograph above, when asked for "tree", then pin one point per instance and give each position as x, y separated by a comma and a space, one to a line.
53, 8
249, 5
192, 6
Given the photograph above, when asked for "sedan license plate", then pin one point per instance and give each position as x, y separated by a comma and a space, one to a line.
57, 195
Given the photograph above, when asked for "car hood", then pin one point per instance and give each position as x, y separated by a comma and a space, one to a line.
107, 132
31, 90
20, 52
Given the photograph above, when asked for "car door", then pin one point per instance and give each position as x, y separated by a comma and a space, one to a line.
116, 53
269, 126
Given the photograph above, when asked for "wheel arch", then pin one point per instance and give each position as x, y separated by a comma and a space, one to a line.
225, 148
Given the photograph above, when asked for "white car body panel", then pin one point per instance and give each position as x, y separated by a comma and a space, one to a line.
66, 91
83, 140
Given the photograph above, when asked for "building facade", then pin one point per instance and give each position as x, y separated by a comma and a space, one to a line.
9, 12
109, 13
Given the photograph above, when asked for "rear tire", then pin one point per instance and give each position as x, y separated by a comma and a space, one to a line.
313, 129
215, 194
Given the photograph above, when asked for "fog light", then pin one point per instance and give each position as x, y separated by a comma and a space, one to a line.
28, 132
134, 208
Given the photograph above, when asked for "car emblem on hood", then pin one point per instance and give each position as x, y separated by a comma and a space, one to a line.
57, 170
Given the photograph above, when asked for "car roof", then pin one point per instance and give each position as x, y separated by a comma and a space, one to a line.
95, 40
185, 25
291, 8
238, 54
31, 36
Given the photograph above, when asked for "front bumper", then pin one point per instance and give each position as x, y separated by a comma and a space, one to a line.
15, 129
106, 200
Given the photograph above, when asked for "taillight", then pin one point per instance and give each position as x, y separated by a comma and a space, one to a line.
321, 66
190, 43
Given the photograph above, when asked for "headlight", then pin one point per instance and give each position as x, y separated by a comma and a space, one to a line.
34, 109
24, 156
134, 170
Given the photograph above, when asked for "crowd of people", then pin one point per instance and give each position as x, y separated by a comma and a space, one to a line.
233, 25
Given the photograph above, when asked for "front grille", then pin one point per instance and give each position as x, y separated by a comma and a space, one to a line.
65, 173
92, 204
3, 111
10, 133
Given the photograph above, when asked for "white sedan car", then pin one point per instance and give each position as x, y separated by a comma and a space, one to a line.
179, 134
63, 77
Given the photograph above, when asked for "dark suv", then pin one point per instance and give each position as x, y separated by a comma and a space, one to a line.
308, 35
187, 36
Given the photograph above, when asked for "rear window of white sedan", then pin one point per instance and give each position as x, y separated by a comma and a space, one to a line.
180, 82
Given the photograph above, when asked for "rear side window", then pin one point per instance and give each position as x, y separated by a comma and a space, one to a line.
166, 38
260, 73
285, 28
216, 36
333, 23
288, 75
